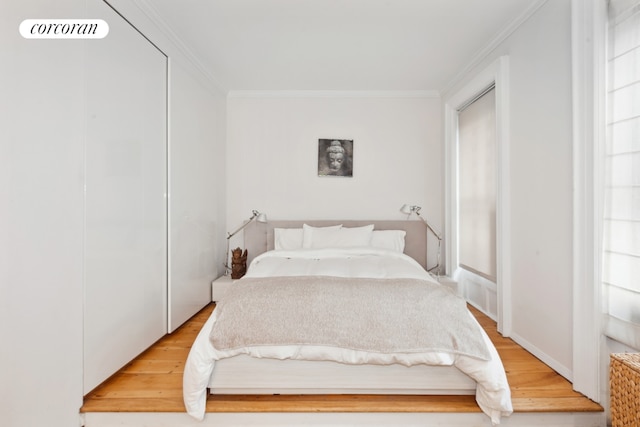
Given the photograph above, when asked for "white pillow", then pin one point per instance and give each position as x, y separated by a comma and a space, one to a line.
309, 232
287, 239
388, 239
339, 237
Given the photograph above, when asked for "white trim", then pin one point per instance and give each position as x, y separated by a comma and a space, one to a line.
151, 13
498, 73
451, 186
333, 94
167, 197
489, 291
498, 39
561, 369
503, 200
588, 65
337, 419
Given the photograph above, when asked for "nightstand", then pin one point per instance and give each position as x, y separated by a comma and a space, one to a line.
452, 284
219, 287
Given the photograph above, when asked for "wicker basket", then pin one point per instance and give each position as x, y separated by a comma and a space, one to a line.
624, 382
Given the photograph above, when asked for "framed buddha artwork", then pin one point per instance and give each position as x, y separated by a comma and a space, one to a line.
335, 157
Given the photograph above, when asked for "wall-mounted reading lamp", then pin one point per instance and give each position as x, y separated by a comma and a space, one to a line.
412, 209
255, 215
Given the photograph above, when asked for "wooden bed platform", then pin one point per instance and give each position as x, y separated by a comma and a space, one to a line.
148, 391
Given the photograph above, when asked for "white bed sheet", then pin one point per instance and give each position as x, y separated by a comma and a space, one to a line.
346, 262
492, 393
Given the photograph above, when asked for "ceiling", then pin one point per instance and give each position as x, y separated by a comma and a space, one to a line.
366, 45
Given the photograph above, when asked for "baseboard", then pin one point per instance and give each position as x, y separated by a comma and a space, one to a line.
548, 360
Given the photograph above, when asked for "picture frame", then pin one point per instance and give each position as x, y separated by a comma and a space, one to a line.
335, 157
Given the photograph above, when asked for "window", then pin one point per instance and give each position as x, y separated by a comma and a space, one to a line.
621, 213
477, 185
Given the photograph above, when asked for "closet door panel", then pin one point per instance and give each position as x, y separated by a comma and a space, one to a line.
195, 189
125, 211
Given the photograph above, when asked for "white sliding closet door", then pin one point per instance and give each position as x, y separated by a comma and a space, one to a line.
125, 212
196, 241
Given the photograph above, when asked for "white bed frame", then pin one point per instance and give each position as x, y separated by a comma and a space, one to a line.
247, 375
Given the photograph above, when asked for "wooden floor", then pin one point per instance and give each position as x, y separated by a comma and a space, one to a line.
153, 383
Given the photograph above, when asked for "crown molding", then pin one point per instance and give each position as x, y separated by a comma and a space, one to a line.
333, 94
151, 13
147, 8
491, 46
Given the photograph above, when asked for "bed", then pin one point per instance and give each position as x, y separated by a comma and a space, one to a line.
342, 307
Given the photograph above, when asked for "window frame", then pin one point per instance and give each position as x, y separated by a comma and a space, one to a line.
496, 73
589, 107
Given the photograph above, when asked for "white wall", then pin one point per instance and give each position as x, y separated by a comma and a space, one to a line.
541, 181
272, 156
41, 205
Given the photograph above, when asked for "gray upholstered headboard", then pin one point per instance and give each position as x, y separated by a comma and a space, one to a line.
258, 237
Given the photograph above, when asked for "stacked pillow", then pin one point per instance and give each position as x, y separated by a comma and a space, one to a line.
337, 236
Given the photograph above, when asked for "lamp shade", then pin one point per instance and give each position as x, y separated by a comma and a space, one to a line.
409, 209
406, 209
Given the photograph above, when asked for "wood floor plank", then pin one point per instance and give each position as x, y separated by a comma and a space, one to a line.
152, 366
555, 404
342, 403
150, 404
153, 383
124, 385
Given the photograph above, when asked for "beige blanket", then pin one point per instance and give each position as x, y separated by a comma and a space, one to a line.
372, 315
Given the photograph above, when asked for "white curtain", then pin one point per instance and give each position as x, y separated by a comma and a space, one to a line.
621, 213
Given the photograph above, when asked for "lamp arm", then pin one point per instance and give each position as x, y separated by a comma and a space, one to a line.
253, 216
409, 209
437, 266
429, 227
227, 269
433, 231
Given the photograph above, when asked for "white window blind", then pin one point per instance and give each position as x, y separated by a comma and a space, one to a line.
477, 185
621, 214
